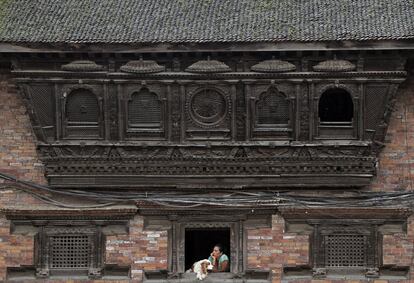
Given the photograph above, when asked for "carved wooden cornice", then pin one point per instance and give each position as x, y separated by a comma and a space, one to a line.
295, 213
183, 166
200, 212
120, 212
30, 75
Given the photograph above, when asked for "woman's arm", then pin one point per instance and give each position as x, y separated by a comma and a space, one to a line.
224, 266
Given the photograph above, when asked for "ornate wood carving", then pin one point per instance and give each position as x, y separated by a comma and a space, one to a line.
69, 247
145, 112
208, 112
272, 113
82, 112
82, 66
326, 131
339, 244
211, 129
143, 164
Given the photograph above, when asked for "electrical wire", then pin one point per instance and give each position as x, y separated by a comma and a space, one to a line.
235, 199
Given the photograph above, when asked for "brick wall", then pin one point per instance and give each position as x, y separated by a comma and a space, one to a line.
18, 158
140, 249
271, 248
15, 250
396, 161
17, 149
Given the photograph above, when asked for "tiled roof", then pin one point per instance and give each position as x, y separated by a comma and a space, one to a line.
192, 21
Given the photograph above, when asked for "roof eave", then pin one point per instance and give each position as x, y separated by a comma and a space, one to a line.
31, 47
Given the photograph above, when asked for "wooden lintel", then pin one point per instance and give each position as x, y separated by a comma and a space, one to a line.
345, 213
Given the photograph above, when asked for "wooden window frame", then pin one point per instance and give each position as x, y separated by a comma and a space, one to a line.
43, 257
144, 131
236, 243
373, 229
66, 125
255, 131
372, 250
176, 227
338, 130
50, 224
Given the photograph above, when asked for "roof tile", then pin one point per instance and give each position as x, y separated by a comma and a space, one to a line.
191, 21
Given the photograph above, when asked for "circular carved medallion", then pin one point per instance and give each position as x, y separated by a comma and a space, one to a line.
207, 107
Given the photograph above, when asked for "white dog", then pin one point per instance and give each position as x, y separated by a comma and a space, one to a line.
201, 267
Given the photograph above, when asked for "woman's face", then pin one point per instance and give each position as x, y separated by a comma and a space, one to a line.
216, 252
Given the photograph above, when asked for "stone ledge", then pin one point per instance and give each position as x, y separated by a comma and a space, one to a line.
386, 272
25, 273
250, 276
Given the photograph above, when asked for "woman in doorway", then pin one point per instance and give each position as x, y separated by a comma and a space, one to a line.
219, 260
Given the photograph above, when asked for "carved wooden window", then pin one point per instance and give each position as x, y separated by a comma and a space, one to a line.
229, 234
81, 114
145, 113
271, 114
208, 107
272, 109
209, 112
336, 107
336, 114
69, 251
194, 236
199, 243
350, 247
144, 110
346, 247
345, 250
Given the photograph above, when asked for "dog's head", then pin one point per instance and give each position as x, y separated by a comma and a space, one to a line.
205, 266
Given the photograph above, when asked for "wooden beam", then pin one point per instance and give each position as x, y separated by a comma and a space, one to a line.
208, 47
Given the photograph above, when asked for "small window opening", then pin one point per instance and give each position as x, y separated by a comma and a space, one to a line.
336, 107
199, 244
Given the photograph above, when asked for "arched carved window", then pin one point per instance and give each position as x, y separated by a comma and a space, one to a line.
82, 115
336, 115
82, 107
144, 110
272, 109
336, 106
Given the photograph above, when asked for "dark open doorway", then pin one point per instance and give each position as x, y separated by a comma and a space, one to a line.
199, 243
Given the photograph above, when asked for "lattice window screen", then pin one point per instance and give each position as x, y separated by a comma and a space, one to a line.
345, 250
144, 109
70, 252
374, 102
44, 103
82, 106
272, 108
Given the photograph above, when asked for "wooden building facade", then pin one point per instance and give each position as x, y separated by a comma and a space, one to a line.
137, 135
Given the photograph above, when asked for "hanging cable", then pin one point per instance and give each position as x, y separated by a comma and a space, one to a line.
235, 199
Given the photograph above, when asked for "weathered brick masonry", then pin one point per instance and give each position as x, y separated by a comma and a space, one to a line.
268, 248
395, 167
